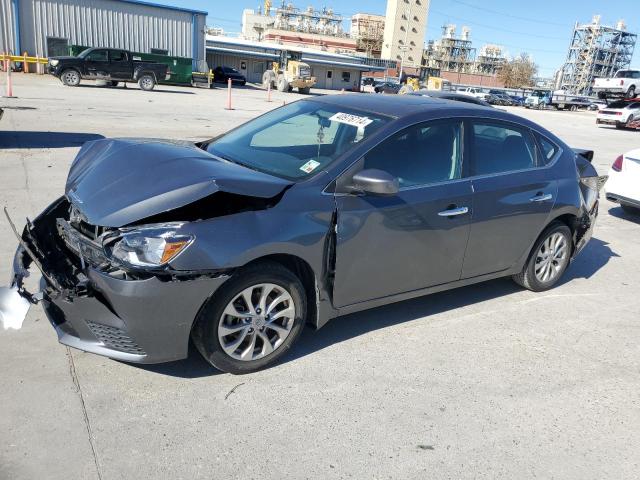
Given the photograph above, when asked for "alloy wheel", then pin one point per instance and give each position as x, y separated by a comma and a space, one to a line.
551, 258
256, 322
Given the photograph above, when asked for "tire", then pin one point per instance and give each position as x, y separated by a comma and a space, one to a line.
147, 82
114, 83
602, 95
630, 209
539, 255
305, 90
283, 85
269, 78
631, 93
70, 77
211, 341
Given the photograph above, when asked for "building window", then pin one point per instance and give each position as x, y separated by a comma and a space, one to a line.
414, 30
346, 76
159, 51
402, 28
416, 19
410, 59
413, 44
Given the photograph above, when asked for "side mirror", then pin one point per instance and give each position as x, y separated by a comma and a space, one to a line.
375, 182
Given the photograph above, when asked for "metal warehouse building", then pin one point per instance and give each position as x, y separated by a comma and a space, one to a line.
332, 70
47, 27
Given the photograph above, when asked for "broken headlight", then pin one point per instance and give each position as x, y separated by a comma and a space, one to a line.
152, 246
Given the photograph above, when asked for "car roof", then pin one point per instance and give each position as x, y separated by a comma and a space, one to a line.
443, 94
394, 105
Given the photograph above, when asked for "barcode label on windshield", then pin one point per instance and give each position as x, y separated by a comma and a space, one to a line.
353, 120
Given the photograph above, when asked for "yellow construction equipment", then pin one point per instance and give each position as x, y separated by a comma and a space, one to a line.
438, 83
412, 84
289, 73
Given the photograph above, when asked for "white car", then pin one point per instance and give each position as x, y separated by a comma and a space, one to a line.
619, 113
623, 186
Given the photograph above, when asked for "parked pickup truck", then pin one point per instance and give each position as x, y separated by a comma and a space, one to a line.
107, 64
475, 92
624, 83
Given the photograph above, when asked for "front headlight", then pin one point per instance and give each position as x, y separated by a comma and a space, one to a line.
152, 246
54, 61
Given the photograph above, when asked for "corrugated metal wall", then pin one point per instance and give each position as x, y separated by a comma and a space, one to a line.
109, 23
7, 36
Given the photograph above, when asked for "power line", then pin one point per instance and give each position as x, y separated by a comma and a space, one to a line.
517, 17
513, 32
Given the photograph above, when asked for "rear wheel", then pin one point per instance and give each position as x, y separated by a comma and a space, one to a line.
268, 78
252, 320
305, 90
71, 78
548, 260
114, 83
146, 82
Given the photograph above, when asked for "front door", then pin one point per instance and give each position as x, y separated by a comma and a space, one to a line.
513, 196
329, 81
417, 238
97, 63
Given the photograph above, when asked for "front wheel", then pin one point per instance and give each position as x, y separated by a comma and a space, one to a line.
146, 82
71, 78
548, 260
631, 93
252, 320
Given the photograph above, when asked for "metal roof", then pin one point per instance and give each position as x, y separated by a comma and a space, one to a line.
246, 53
359, 66
166, 7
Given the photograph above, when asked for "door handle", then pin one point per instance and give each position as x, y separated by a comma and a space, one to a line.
453, 212
541, 197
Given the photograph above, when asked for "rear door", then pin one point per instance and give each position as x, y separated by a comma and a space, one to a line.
513, 196
121, 65
417, 238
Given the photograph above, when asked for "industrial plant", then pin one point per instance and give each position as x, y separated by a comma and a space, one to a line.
453, 53
596, 51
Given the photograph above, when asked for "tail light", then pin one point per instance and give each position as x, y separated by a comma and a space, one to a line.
617, 165
621, 82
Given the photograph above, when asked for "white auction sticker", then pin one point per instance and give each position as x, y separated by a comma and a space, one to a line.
353, 120
310, 166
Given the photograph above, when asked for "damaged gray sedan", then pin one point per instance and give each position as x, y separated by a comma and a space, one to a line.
323, 207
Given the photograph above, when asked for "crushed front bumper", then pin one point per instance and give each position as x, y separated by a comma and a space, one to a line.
141, 320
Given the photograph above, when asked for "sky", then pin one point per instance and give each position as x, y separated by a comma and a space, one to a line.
542, 28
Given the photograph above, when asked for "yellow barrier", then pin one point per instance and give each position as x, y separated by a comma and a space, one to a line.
24, 59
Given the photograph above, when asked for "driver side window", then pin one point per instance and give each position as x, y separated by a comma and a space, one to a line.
98, 56
421, 154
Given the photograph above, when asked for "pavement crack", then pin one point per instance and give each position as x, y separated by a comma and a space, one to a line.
232, 390
87, 423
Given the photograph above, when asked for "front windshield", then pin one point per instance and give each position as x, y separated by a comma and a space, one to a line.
85, 52
297, 140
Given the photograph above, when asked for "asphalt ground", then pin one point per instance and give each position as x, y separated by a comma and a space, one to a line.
486, 381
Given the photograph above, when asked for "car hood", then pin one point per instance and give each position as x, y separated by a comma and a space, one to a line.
116, 182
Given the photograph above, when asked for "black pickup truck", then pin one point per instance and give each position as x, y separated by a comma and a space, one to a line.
108, 64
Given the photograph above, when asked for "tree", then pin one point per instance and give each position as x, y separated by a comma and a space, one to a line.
518, 72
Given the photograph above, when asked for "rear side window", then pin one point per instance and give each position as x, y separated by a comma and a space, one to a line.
118, 56
549, 150
498, 148
421, 154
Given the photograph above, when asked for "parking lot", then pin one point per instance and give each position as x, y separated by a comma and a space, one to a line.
486, 381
